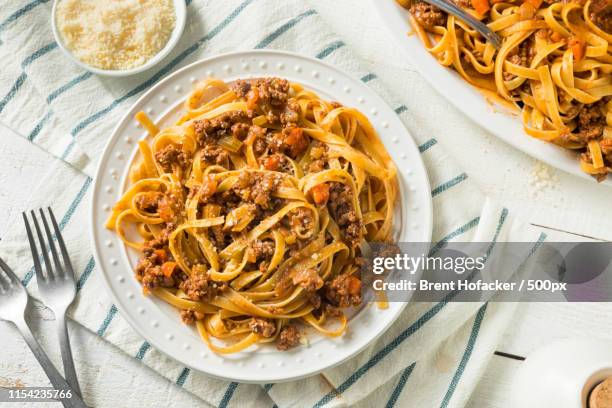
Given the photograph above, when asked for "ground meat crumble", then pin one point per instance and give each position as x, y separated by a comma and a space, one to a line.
427, 15
149, 201
263, 327
257, 187
170, 156
198, 287
308, 279
289, 337
190, 316
233, 123
591, 121
343, 291
341, 207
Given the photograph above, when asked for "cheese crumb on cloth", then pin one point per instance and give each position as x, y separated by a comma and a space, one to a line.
115, 35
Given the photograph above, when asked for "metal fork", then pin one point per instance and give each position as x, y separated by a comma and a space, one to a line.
57, 287
13, 304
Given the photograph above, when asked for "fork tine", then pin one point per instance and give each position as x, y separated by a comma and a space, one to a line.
58, 234
4, 282
59, 271
33, 249
9, 272
43, 248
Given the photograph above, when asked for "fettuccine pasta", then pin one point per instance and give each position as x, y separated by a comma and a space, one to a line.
252, 209
555, 65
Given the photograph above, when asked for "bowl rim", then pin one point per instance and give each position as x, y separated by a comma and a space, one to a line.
180, 10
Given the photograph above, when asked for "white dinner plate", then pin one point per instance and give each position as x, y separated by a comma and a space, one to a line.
159, 323
470, 101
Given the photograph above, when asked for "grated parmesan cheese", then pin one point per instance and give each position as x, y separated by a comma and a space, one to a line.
542, 178
117, 34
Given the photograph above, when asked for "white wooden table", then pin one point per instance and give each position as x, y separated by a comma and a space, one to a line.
569, 208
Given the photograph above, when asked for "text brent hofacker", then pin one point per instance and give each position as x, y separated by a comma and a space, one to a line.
425, 285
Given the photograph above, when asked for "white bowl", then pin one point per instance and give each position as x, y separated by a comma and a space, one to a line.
180, 10
561, 374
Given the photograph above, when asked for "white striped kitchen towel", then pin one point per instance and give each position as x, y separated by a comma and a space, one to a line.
433, 356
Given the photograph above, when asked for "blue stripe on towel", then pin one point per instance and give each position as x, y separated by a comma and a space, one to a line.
284, 28
67, 216
451, 183
401, 109
268, 387
466, 356
20, 13
35, 132
183, 376
400, 386
68, 149
459, 231
144, 347
107, 320
38, 53
369, 77
330, 49
22, 78
75, 203
67, 86
427, 145
502, 219
13, 91
166, 69
229, 392
86, 272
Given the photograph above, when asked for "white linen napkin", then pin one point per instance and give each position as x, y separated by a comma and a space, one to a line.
433, 355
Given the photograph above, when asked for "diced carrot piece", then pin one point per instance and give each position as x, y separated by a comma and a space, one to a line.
295, 135
354, 286
535, 3
165, 210
578, 47
527, 11
296, 141
556, 37
162, 255
252, 98
481, 6
271, 162
168, 268
320, 193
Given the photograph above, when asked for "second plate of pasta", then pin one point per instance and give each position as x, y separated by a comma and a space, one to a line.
546, 91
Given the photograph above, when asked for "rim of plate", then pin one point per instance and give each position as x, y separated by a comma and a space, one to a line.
468, 100
159, 324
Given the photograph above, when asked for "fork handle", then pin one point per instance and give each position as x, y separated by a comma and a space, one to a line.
64, 342
55, 377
